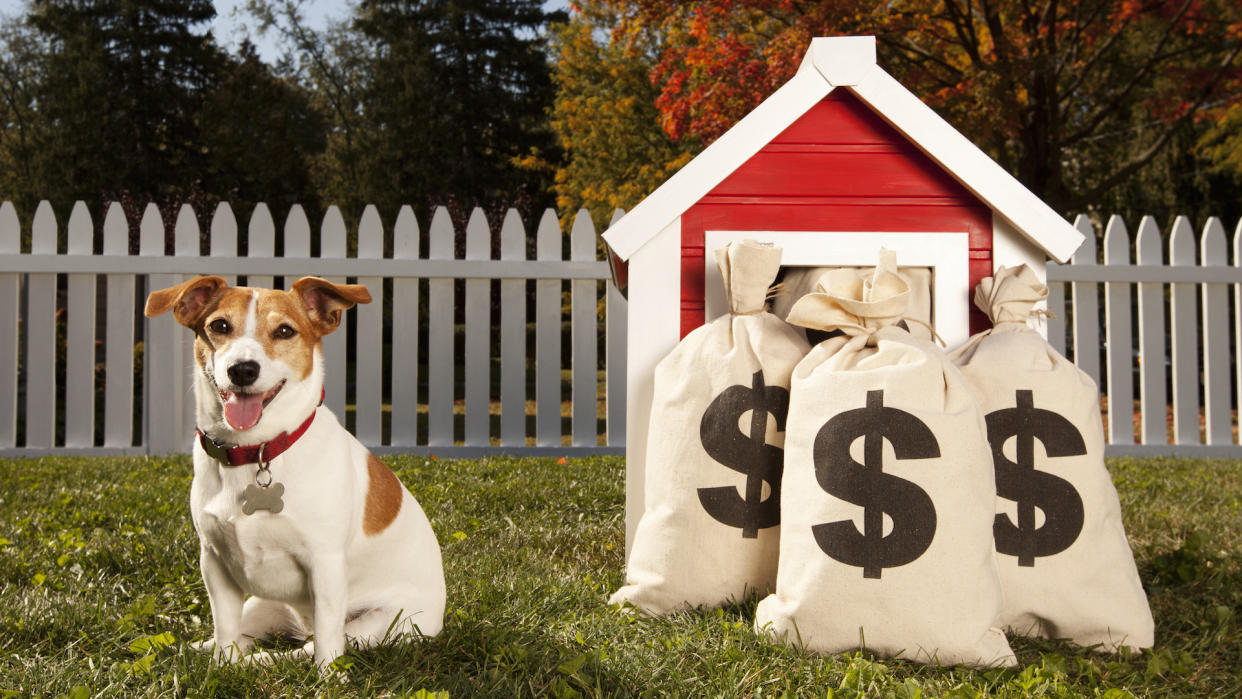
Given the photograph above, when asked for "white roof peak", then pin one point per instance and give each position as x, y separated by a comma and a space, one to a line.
842, 60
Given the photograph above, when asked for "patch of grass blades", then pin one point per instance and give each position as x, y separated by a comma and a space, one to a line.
100, 595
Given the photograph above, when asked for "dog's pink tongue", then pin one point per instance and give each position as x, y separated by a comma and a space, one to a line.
242, 411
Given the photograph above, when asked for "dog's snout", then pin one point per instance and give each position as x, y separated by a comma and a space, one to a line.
244, 373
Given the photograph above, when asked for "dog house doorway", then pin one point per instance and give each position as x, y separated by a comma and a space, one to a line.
946, 255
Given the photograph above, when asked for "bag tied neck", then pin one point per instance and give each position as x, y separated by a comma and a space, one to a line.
854, 302
1010, 295
748, 269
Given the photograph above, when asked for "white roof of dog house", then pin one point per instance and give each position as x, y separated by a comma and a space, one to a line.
833, 62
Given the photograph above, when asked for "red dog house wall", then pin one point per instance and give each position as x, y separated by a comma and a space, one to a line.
831, 175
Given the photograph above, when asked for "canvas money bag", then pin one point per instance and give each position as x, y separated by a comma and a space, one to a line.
714, 451
1065, 564
887, 497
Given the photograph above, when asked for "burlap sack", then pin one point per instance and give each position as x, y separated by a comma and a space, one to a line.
887, 497
709, 534
1064, 561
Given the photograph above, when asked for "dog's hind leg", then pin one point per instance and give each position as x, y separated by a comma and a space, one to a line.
366, 628
264, 618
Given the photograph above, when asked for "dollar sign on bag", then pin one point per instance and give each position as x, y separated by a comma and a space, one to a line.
749, 454
1030, 488
866, 484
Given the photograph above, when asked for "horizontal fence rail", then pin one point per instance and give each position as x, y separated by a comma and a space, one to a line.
1165, 349
508, 338
482, 353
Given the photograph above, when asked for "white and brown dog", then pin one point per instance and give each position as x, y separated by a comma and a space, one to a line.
302, 531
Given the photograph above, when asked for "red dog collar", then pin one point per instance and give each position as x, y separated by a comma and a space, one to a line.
254, 453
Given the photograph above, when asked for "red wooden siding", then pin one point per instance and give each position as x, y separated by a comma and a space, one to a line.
840, 167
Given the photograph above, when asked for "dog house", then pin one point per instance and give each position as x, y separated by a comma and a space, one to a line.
831, 176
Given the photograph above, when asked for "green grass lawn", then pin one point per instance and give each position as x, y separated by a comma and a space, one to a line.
100, 591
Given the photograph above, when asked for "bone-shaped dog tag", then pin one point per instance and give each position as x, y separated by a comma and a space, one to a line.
255, 498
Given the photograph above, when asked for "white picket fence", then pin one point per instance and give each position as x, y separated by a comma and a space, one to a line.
103, 331
1184, 370
523, 401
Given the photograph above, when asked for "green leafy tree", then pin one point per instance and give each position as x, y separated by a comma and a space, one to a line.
605, 116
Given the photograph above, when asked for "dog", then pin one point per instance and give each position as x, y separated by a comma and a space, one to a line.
302, 531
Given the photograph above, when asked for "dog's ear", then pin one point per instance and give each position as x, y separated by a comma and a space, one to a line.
324, 301
187, 301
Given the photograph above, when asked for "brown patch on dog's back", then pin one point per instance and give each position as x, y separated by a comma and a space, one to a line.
384, 496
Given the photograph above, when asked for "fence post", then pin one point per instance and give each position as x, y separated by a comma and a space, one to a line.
513, 336
10, 295
1152, 397
404, 432
1086, 307
1185, 354
1117, 318
1237, 324
585, 343
41, 336
548, 337
1216, 387
332, 247
440, 336
478, 336
80, 337
119, 342
616, 309
369, 346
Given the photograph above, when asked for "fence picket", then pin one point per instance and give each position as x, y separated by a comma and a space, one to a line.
159, 359
119, 337
478, 336
41, 337
585, 343
223, 241
186, 244
1237, 327
261, 242
297, 237
404, 421
1152, 396
368, 351
616, 314
512, 336
1055, 305
440, 354
1117, 318
1086, 307
1216, 388
548, 337
332, 239
10, 297
80, 337
1185, 351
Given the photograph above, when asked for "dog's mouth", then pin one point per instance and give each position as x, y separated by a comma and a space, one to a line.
242, 410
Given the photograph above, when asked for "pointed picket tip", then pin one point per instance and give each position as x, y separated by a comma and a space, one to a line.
1212, 246
617, 213
1085, 255
116, 230
332, 233
223, 230
43, 229
582, 237
81, 230
405, 234
1116, 242
548, 236
478, 236
186, 231
1182, 242
1148, 242
297, 233
370, 233
1237, 250
151, 231
10, 229
512, 236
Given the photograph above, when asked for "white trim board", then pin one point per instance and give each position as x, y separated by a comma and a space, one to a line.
947, 254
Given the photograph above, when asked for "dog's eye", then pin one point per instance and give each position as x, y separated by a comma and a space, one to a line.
220, 326
284, 332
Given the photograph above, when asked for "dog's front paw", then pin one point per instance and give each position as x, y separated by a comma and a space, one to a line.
224, 653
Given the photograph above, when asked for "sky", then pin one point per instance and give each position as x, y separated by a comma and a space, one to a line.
231, 22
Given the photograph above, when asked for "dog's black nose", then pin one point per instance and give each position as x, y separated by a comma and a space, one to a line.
244, 373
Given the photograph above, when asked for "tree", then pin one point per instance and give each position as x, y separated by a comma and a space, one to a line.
1073, 96
604, 113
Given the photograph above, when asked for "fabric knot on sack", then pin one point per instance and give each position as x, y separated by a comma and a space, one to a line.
1010, 295
747, 269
